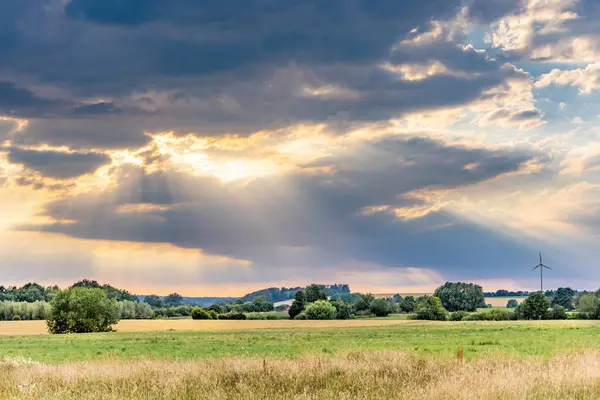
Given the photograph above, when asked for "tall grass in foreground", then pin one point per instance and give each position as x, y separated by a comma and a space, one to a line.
350, 375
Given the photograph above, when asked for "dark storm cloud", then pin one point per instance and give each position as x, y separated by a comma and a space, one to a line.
56, 164
225, 66
102, 108
81, 133
321, 216
21, 102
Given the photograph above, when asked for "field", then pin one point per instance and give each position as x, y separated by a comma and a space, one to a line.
306, 359
501, 301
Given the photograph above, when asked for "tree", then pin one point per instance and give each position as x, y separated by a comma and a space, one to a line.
315, 292
153, 300
563, 297
173, 300
407, 304
380, 308
535, 307
587, 303
343, 310
320, 309
199, 313
363, 303
127, 309
459, 296
430, 308
512, 303
557, 312
298, 305
82, 310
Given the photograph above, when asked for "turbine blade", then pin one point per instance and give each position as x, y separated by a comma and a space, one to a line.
546, 267
536, 267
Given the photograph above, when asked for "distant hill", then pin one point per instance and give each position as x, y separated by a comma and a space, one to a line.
202, 301
272, 295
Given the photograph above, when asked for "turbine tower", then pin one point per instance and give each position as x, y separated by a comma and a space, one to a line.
541, 266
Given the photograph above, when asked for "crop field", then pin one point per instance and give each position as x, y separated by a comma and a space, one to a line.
21, 328
501, 301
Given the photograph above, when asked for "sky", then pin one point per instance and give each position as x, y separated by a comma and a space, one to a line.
222, 147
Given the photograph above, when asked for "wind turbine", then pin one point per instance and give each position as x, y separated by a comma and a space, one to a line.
541, 266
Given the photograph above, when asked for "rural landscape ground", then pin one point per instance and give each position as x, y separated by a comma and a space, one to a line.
374, 358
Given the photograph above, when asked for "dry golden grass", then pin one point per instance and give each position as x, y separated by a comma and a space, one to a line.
22, 328
351, 375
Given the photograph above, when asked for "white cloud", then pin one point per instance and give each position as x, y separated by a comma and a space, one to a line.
587, 80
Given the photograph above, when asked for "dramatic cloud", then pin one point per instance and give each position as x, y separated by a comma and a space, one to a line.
322, 217
56, 164
265, 140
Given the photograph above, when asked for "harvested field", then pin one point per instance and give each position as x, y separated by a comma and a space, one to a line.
21, 328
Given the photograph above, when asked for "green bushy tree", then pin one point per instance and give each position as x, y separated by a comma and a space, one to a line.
173, 300
200, 313
380, 308
557, 312
82, 310
320, 309
512, 303
587, 302
343, 310
407, 304
363, 302
535, 307
459, 296
298, 305
430, 308
563, 297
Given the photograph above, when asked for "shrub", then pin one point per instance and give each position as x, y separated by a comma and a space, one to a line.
491, 315
213, 314
199, 313
578, 315
512, 303
535, 307
320, 309
16, 317
82, 310
458, 315
233, 315
430, 308
301, 316
557, 312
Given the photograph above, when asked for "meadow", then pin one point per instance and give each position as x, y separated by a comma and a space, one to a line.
292, 339
369, 359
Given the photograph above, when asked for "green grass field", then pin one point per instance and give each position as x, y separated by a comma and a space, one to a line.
438, 339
